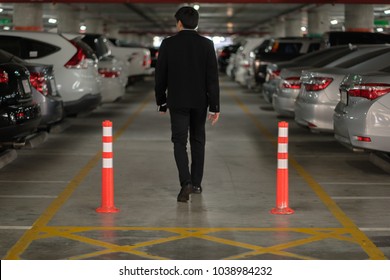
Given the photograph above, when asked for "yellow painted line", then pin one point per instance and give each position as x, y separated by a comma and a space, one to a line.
314, 235
367, 245
23, 243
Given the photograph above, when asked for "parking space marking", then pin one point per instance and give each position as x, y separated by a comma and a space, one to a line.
310, 235
375, 229
34, 182
357, 183
16, 227
368, 246
28, 196
23, 243
360, 197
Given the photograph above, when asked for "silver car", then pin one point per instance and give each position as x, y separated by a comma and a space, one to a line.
362, 116
288, 87
276, 71
319, 94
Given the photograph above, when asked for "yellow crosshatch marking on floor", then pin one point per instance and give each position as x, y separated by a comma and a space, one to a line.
312, 235
40, 231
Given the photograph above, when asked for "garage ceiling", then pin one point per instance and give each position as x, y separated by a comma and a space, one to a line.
240, 17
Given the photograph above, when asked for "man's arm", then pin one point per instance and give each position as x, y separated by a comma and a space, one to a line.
212, 81
161, 78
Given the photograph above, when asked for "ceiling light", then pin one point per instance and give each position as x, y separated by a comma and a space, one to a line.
196, 7
1, 10
387, 12
334, 22
303, 28
6, 28
379, 29
83, 28
52, 20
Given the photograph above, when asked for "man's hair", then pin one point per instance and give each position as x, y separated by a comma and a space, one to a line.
188, 16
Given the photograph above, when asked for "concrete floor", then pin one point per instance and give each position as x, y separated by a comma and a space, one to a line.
49, 193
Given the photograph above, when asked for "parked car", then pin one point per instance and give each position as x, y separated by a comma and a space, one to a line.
242, 59
224, 54
76, 75
287, 86
275, 50
136, 58
319, 95
44, 90
19, 114
362, 115
113, 79
319, 58
335, 38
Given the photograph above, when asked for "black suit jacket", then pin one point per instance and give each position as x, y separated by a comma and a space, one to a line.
186, 73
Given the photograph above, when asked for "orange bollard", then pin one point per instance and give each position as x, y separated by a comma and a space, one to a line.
107, 205
282, 173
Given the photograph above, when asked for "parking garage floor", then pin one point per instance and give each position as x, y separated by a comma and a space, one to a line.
49, 193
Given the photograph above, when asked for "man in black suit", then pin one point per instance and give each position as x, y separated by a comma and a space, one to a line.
186, 82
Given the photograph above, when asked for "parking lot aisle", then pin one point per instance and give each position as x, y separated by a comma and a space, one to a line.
229, 220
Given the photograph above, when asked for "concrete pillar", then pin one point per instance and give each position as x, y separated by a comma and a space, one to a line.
293, 24
28, 17
68, 19
278, 27
318, 21
359, 17
94, 26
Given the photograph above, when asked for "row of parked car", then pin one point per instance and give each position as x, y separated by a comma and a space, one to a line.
46, 77
341, 89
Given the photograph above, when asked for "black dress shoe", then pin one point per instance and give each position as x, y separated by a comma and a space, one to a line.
196, 189
184, 194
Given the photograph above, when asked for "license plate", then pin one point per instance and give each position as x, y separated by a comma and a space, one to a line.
26, 86
344, 97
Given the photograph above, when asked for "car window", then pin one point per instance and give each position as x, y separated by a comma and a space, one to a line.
361, 58
87, 49
286, 48
27, 48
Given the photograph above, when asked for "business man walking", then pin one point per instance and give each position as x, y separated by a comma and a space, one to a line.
186, 83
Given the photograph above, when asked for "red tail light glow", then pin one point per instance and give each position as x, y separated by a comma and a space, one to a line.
370, 91
292, 83
318, 83
77, 60
38, 81
363, 139
3, 77
108, 73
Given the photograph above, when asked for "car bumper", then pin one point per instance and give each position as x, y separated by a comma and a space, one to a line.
318, 117
87, 103
285, 105
18, 122
52, 110
112, 90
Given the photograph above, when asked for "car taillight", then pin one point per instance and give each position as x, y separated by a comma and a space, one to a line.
292, 83
223, 54
274, 74
78, 60
108, 73
363, 139
370, 91
146, 61
3, 77
317, 83
38, 81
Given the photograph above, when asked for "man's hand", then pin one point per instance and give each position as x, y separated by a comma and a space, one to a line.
213, 117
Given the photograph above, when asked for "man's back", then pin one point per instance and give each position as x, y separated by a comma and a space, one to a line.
187, 67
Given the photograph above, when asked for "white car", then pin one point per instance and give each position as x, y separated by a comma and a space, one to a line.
76, 75
111, 69
242, 59
136, 59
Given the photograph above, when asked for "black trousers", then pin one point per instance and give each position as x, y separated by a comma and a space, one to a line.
190, 120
